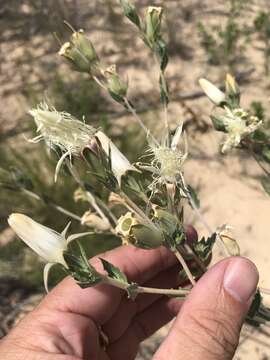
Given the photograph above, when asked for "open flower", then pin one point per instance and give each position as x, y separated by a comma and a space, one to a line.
168, 158
238, 124
47, 243
61, 130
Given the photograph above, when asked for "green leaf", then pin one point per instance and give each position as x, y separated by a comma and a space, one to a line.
256, 303
113, 271
193, 195
164, 92
161, 50
266, 185
79, 267
266, 154
258, 313
116, 97
204, 247
130, 12
218, 123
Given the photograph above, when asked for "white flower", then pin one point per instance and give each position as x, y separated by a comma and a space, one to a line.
120, 164
61, 130
238, 125
212, 92
169, 158
47, 243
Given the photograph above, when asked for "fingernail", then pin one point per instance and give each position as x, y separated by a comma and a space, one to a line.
240, 279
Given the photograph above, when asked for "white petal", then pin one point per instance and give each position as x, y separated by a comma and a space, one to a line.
213, 93
177, 136
120, 164
46, 272
46, 242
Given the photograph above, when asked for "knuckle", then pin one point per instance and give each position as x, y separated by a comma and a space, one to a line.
217, 332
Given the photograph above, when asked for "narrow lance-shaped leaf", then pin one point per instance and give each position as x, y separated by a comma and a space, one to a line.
113, 271
130, 12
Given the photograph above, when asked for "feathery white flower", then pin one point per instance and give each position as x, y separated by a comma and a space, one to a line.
238, 124
47, 243
212, 92
169, 158
61, 130
120, 164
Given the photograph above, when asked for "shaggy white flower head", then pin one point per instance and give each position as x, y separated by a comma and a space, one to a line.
61, 130
169, 158
238, 124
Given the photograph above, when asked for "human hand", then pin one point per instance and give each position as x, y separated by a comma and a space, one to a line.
66, 325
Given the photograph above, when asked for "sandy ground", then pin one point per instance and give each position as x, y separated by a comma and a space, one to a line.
229, 188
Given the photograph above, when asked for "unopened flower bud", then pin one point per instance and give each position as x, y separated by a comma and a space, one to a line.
115, 199
119, 163
212, 92
80, 195
167, 221
80, 52
153, 23
116, 85
231, 85
232, 92
95, 221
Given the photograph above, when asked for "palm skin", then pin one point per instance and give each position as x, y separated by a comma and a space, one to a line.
66, 324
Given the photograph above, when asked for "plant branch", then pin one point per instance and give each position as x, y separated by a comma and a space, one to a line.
185, 266
220, 242
144, 290
132, 110
132, 206
48, 202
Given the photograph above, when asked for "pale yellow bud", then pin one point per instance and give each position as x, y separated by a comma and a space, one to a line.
212, 92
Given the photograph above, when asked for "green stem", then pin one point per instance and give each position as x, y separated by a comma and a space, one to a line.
185, 266
144, 290
220, 242
52, 204
137, 210
90, 197
260, 164
132, 110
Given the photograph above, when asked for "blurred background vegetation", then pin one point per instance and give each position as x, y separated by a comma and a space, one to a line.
205, 38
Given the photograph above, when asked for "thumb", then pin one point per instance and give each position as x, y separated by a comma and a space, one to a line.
209, 323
